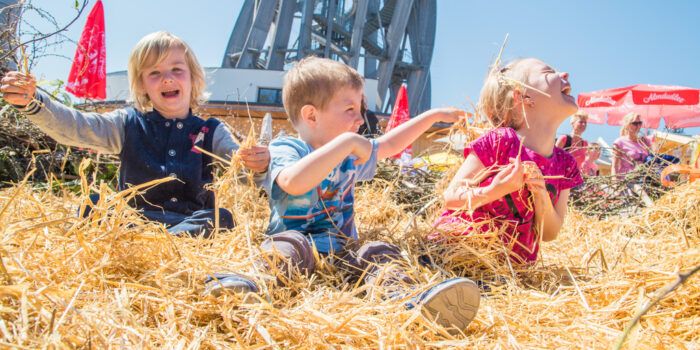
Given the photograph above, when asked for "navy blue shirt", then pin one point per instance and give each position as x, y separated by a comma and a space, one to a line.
155, 147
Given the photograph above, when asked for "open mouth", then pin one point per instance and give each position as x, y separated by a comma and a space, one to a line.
172, 93
566, 90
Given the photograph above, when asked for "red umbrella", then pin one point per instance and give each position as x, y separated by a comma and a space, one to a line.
678, 105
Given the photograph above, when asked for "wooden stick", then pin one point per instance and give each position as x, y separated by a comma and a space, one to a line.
682, 277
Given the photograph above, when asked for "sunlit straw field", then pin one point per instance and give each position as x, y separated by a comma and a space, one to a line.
113, 280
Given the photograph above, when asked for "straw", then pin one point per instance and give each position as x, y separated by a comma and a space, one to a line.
128, 284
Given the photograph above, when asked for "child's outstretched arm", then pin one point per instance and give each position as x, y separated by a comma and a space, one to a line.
548, 218
397, 139
101, 132
309, 171
463, 194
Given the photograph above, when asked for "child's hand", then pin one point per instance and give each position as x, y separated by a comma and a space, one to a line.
18, 88
450, 115
534, 179
510, 179
362, 149
255, 158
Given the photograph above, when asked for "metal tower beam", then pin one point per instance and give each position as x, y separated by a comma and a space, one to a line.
357, 32
239, 35
395, 33
421, 32
283, 29
305, 33
264, 13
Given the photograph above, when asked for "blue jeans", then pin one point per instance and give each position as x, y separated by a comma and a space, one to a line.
200, 222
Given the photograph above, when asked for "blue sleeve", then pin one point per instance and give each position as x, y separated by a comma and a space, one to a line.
283, 153
366, 170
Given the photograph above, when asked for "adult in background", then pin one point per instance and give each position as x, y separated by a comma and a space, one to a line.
574, 143
630, 148
370, 128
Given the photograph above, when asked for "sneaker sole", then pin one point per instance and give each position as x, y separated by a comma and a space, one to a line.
453, 305
218, 291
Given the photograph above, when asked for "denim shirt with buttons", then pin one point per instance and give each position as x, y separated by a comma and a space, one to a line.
156, 147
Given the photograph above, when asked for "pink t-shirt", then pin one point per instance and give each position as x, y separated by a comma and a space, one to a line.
577, 150
496, 147
589, 168
633, 153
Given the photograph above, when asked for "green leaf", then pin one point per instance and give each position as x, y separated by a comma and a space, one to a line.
76, 4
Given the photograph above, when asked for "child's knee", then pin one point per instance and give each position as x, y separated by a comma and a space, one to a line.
377, 252
293, 247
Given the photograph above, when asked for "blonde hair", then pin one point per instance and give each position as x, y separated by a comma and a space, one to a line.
626, 121
314, 81
496, 101
580, 115
151, 50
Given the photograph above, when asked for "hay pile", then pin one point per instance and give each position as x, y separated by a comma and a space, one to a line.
23, 147
115, 281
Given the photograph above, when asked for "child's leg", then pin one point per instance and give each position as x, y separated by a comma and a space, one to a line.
289, 251
452, 303
372, 257
201, 222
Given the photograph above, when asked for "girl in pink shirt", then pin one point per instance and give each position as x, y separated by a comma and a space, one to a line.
502, 177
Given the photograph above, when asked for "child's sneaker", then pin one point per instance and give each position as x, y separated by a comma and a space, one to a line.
452, 303
233, 283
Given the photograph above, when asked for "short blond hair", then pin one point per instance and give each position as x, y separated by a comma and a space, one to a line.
314, 81
627, 120
580, 115
496, 101
151, 50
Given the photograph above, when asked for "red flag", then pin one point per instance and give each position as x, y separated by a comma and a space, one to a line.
88, 76
399, 115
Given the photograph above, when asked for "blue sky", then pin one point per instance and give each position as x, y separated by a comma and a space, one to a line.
602, 44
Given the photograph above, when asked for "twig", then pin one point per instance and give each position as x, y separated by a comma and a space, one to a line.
12, 50
682, 277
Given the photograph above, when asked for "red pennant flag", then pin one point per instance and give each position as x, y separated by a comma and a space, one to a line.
88, 75
399, 115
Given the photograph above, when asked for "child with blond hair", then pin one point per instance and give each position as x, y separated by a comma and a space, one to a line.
156, 138
514, 176
311, 188
589, 167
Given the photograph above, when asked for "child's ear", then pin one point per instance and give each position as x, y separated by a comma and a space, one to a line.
140, 89
519, 98
309, 114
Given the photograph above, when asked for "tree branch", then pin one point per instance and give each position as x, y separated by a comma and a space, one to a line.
682, 277
11, 51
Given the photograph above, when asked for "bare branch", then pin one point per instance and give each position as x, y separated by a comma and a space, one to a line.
682, 277
11, 51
